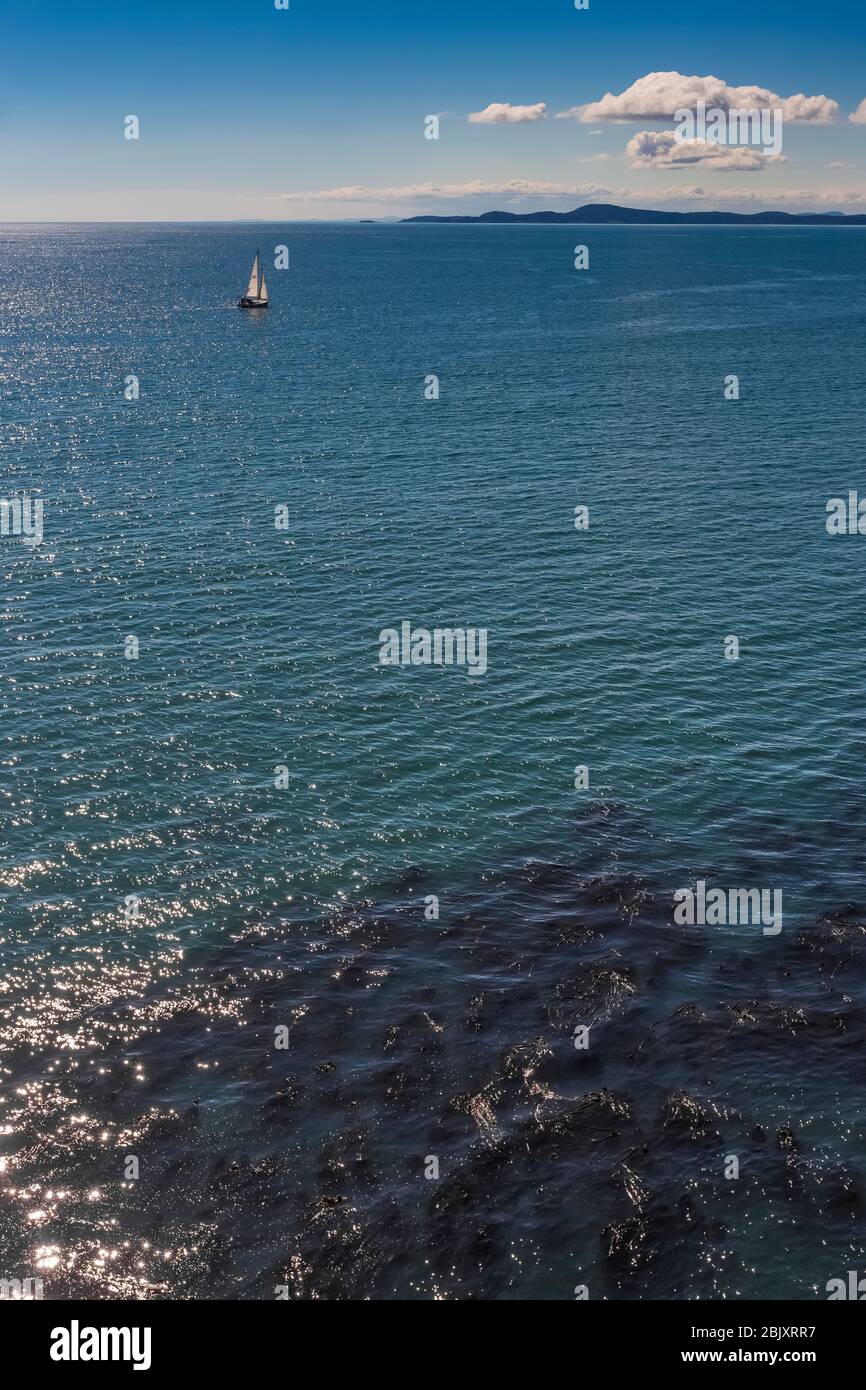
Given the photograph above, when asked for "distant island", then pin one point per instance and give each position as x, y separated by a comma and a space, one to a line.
609, 212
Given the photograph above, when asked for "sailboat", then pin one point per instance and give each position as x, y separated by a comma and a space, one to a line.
256, 296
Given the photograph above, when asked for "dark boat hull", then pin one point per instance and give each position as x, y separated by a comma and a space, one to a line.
252, 303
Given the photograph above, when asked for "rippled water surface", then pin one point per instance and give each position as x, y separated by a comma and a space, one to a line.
302, 907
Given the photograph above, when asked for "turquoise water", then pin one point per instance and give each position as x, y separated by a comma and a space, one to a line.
303, 905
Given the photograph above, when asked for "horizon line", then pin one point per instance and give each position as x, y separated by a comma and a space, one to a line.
407, 218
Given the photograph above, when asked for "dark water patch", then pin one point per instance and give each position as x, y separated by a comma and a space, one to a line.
373, 1105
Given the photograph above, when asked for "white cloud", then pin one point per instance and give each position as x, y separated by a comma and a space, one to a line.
481, 195
503, 113
523, 188
662, 149
659, 95
858, 117
803, 199
840, 164
594, 159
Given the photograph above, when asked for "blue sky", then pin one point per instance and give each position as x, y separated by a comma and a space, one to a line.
247, 111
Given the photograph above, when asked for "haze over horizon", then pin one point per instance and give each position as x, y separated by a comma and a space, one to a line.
319, 114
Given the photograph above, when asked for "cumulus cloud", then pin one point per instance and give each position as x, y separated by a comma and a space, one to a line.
503, 113
659, 95
858, 117
661, 149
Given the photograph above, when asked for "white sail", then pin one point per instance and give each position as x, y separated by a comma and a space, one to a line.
263, 292
253, 286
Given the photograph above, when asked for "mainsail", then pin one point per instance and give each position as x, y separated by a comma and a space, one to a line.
256, 295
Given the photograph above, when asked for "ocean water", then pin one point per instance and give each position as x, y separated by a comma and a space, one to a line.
154, 1140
